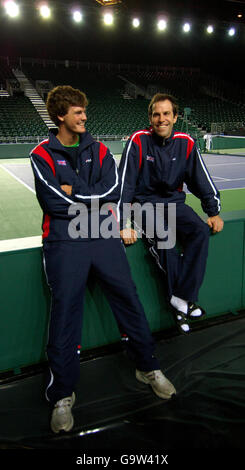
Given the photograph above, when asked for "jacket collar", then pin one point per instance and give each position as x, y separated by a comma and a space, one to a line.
160, 140
85, 140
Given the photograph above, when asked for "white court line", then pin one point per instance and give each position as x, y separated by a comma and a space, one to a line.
18, 179
226, 164
234, 179
20, 243
219, 178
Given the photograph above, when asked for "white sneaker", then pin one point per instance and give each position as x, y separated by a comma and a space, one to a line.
62, 419
159, 383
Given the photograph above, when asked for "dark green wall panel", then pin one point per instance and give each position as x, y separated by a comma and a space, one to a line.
25, 298
221, 291
16, 150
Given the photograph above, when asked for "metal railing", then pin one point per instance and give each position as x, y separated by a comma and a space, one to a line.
22, 139
37, 139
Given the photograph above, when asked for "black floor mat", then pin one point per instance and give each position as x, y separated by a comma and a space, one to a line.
114, 412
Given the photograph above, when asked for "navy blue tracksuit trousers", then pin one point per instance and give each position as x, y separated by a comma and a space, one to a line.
185, 267
67, 266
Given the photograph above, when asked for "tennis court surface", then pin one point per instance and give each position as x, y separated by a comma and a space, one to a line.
20, 214
228, 171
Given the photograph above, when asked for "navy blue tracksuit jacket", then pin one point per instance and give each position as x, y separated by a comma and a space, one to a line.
68, 260
94, 178
154, 170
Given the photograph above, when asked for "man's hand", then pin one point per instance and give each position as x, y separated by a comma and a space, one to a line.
67, 188
216, 223
128, 235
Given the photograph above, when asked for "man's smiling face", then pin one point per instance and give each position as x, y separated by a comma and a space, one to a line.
162, 118
74, 120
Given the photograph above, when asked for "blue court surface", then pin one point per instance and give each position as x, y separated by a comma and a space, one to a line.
228, 172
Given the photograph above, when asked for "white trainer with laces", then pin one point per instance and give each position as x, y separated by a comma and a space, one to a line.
159, 383
62, 419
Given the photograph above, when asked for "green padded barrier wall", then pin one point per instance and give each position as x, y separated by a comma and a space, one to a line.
23, 150
220, 142
15, 150
25, 296
25, 311
115, 146
221, 291
243, 287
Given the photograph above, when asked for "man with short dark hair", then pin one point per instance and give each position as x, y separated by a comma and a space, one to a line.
74, 173
155, 164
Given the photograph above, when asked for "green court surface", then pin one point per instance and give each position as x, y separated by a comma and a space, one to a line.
231, 200
231, 151
21, 216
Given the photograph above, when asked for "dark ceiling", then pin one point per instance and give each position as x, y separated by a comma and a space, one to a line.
29, 36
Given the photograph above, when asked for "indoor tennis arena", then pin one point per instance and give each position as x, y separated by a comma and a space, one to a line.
120, 53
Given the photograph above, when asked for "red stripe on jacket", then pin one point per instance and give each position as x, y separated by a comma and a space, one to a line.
137, 140
190, 143
39, 150
102, 152
46, 226
114, 215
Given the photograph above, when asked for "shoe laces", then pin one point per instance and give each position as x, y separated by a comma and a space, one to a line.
65, 402
152, 375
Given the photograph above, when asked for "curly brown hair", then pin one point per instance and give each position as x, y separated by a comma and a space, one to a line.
162, 97
61, 98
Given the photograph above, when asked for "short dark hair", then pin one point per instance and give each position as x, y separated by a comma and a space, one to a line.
162, 97
61, 98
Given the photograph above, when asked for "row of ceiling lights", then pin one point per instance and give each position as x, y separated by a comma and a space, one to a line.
13, 10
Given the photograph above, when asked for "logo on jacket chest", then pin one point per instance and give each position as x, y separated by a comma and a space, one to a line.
61, 162
149, 158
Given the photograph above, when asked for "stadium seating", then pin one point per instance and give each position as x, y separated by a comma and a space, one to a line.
195, 91
110, 114
18, 117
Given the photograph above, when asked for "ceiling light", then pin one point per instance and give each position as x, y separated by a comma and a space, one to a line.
45, 11
12, 9
136, 22
109, 2
186, 27
232, 32
210, 29
77, 16
108, 19
162, 25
